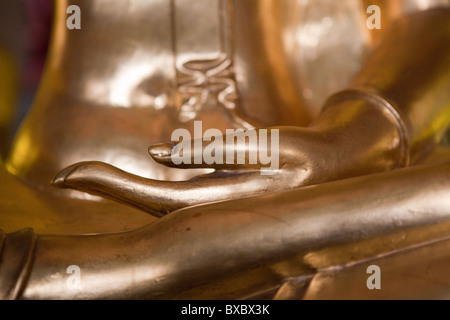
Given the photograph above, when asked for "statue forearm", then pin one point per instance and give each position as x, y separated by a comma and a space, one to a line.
277, 235
410, 67
108, 267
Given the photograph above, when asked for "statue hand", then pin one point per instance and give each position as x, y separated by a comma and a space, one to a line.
349, 140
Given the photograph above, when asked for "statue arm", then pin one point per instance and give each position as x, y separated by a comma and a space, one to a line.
233, 249
411, 68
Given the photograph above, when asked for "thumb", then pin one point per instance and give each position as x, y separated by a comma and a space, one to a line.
156, 197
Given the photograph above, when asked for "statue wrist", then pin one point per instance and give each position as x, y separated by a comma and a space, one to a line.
362, 114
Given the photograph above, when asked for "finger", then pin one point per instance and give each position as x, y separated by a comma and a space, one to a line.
161, 197
242, 150
105, 180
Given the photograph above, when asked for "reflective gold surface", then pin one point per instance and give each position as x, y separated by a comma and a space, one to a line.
260, 240
22, 205
130, 77
389, 118
134, 97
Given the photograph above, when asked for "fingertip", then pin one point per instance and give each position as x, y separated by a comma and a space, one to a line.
60, 180
71, 176
161, 152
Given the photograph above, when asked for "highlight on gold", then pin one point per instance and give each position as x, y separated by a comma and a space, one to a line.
225, 149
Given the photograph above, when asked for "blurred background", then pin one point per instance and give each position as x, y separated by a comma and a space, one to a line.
25, 27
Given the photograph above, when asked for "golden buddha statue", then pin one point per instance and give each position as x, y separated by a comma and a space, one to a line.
362, 177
